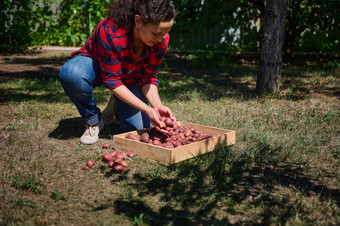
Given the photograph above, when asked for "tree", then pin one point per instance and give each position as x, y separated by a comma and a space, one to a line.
269, 74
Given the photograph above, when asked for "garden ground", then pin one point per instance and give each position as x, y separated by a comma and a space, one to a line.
283, 169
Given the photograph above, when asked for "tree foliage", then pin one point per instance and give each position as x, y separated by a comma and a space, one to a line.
312, 25
50, 22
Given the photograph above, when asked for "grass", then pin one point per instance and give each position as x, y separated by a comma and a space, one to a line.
283, 169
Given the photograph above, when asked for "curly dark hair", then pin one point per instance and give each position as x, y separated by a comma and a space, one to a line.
150, 11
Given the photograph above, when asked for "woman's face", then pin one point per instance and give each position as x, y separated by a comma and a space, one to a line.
151, 34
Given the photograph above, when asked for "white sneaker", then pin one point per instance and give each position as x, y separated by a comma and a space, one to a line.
91, 133
108, 114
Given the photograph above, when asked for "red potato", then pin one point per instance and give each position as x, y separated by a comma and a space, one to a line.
145, 137
169, 129
175, 126
107, 157
131, 155
200, 138
110, 164
187, 133
132, 137
169, 122
188, 140
156, 142
90, 163
196, 135
178, 144
106, 146
119, 155
163, 118
85, 168
169, 145
113, 153
118, 160
118, 168
123, 163
124, 154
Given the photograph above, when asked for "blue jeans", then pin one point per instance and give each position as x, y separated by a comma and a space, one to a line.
79, 76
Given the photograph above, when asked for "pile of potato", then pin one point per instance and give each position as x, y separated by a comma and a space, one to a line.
114, 160
176, 135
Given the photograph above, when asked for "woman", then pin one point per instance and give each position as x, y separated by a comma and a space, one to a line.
123, 53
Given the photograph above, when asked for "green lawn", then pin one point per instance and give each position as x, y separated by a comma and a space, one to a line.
283, 169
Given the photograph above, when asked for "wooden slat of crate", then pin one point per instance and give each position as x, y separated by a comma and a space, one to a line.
221, 137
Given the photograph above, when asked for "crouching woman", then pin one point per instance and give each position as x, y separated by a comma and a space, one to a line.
123, 53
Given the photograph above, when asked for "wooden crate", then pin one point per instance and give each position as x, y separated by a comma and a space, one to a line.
221, 137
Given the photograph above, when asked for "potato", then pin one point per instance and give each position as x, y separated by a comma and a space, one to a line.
124, 154
145, 137
175, 126
118, 168
208, 136
113, 153
119, 155
123, 163
187, 132
132, 137
168, 122
118, 160
156, 142
131, 155
110, 164
177, 144
168, 128
90, 163
188, 140
169, 145
106, 145
107, 157
196, 135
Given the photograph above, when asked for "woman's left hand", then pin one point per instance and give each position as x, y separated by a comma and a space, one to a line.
165, 111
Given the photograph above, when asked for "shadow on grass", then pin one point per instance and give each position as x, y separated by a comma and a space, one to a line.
211, 78
221, 192
74, 128
210, 83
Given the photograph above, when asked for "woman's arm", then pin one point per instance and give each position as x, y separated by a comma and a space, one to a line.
150, 91
123, 93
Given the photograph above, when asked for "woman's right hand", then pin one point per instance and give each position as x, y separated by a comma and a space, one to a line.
154, 117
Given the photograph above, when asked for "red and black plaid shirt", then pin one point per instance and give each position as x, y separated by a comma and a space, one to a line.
111, 46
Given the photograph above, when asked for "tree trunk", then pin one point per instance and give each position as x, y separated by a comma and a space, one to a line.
269, 74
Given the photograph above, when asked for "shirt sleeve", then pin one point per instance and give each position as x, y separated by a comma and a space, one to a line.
150, 70
109, 59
